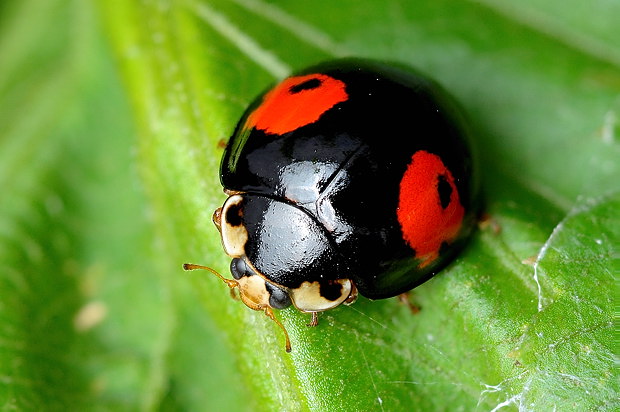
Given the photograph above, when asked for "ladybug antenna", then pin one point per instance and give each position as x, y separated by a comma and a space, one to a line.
269, 312
232, 284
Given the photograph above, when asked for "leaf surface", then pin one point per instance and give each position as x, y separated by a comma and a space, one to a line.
95, 309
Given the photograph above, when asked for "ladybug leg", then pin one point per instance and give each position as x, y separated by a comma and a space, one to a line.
486, 221
315, 319
405, 299
352, 296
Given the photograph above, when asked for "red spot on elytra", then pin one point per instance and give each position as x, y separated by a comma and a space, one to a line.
296, 102
429, 215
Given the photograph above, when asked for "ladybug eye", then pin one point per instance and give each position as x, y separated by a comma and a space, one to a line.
278, 298
239, 269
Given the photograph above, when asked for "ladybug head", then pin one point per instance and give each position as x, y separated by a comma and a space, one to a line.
280, 256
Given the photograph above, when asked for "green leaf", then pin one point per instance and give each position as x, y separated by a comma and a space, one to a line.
576, 262
95, 310
86, 313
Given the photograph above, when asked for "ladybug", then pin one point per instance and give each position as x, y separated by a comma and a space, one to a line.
352, 176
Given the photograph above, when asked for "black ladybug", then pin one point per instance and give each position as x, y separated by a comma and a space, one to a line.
350, 176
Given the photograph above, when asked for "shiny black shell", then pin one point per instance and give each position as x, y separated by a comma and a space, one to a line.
324, 195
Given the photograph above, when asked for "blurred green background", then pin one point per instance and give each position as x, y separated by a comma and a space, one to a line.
111, 114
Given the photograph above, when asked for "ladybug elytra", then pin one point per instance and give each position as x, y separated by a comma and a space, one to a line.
349, 177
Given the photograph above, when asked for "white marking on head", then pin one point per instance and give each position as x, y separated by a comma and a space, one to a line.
253, 292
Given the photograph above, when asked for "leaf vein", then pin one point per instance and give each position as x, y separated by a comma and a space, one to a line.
294, 25
264, 58
555, 29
